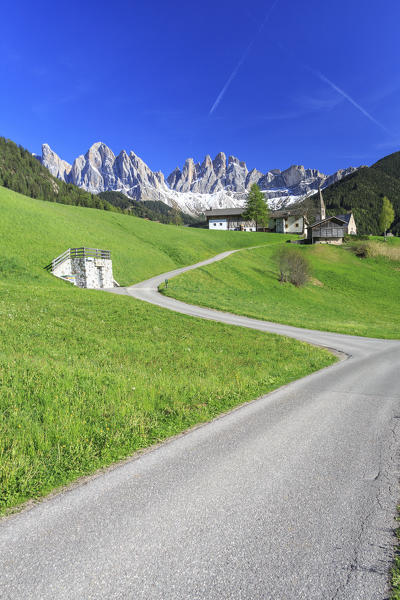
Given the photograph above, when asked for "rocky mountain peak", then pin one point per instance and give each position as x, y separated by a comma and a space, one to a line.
232, 160
57, 167
194, 188
253, 176
207, 162
219, 165
100, 156
293, 175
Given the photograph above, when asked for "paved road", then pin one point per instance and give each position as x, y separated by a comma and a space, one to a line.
290, 497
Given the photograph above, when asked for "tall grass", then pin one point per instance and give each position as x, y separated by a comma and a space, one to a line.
373, 249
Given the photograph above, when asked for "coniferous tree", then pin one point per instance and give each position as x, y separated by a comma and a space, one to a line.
256, 207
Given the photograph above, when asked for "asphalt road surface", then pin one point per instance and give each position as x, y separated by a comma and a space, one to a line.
290, 497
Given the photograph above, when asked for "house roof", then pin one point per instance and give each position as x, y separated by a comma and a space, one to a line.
345, 218
341, 221
276, 214
224, 212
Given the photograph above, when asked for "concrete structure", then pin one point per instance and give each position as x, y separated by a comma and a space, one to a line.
85, 267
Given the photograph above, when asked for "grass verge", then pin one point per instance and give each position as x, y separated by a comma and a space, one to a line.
395, 570
87, 378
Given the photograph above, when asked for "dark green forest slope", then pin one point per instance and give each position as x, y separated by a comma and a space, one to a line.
362, 192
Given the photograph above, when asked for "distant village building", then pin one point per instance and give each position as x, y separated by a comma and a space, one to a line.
85, 267
228, 219
328, 230
288, 221
280, 221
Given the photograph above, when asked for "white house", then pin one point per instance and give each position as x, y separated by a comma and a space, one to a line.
288, 221
228, 219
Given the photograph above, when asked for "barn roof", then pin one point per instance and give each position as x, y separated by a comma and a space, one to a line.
337, 219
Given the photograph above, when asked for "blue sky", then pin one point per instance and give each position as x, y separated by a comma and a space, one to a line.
275, 82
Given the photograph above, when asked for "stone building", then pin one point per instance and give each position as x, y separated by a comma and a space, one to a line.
85, 267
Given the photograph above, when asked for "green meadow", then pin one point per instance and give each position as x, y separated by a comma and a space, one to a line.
33, 232
87, 378
345, 294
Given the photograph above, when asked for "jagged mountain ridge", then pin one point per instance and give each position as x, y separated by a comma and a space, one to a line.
197, 187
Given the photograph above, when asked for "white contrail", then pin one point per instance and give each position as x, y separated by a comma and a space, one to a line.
231, 78
350, 99
242, 59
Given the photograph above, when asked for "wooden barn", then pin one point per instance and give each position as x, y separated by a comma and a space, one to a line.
330, 230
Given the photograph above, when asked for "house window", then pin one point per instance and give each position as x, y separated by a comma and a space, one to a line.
214, 224
297, 224
221, 224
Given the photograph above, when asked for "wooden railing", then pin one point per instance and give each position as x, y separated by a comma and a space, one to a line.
78, 253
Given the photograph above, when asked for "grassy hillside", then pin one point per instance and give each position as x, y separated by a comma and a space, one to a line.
86, 377
363, 191
139, 248
347, 294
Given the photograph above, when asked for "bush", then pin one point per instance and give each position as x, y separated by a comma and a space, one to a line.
373, 249
293, 266
362, 249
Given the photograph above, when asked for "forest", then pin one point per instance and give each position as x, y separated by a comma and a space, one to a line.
362, 192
